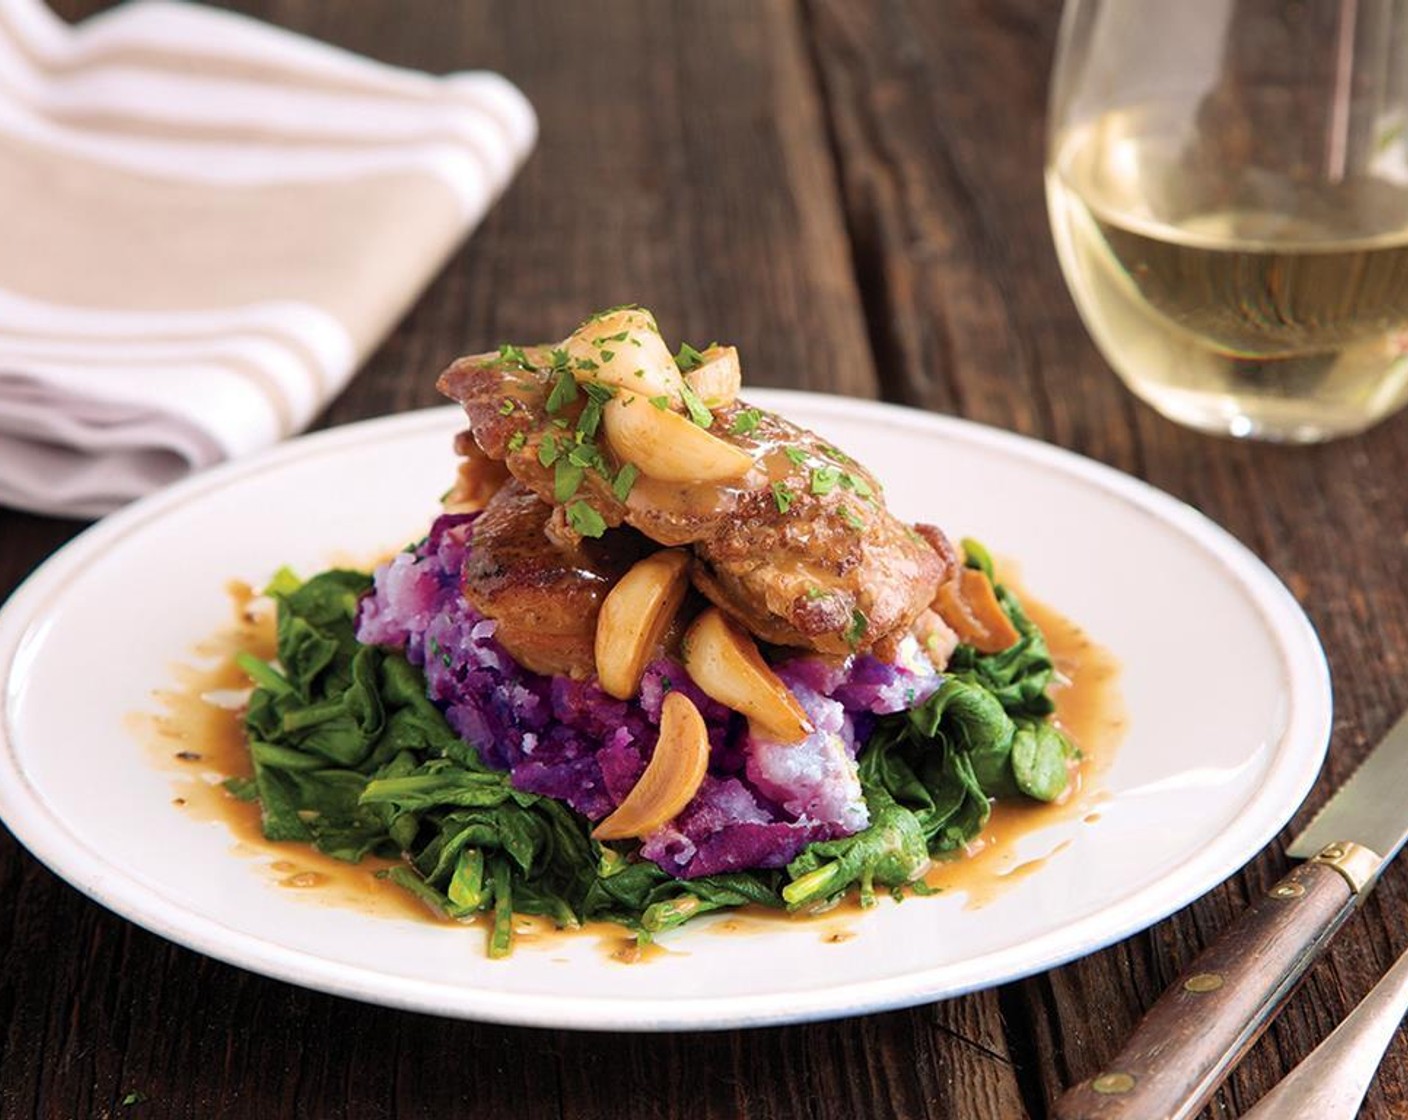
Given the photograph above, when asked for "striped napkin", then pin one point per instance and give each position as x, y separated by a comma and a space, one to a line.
206, 224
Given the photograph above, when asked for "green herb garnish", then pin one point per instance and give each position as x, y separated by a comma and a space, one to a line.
783, 496
585, 520
688, 358
824, 480
566, 478
624, 480
856, 483
547, 449
564, 391
745, 421
598, 393
695, 407
589, 420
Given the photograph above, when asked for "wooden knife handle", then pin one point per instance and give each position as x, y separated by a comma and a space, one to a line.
1209, 1018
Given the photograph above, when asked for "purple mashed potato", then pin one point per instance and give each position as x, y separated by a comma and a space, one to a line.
761, 801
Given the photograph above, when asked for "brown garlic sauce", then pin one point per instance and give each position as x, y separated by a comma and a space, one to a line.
779, 457
198, 737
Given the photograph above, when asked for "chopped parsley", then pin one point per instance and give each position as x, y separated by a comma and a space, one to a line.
558, 356
506, 407
851, 518
688, 358
824, 480
858, 484
796, 455
662, 402
598, 393
585, 520
513, 356
584, 454
547, 449
859, 625
745, 421
564, 391
697, 412
607, 355
625, 479
566, 478
783, 496
814, 593
587, 364
590, 420
516, 441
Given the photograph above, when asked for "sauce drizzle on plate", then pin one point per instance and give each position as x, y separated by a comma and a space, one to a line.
197, 736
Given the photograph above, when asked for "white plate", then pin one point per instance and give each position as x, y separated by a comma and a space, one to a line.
1225, 684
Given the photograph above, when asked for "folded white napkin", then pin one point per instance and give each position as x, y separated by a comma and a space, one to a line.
206, 223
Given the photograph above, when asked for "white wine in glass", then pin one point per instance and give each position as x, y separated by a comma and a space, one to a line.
1228, 185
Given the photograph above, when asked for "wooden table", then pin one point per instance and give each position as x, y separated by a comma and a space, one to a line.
852, 193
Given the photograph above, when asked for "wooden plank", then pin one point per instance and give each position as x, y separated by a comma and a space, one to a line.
683, 163
938, 118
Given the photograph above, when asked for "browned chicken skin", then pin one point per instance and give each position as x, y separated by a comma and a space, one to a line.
800, 550
545, 595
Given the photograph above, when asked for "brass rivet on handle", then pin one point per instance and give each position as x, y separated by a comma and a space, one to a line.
1332, 851
1286, 890
1203, 982
1113, 1083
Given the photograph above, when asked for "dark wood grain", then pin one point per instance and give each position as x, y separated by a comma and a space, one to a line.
1212, 1014
937, 113
853, 194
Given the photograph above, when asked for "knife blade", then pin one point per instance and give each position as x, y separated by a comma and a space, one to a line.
1212, 1014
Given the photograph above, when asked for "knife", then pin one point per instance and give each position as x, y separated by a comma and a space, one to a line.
1209, 1018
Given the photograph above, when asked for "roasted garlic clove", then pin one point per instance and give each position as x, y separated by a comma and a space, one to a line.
716, 382
633, 617
668, 445
671, 778
624, 349
726, 664
969, 604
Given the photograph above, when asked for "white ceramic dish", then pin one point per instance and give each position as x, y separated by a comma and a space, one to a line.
1223, 678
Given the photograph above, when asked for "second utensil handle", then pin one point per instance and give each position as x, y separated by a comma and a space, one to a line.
1213, 1013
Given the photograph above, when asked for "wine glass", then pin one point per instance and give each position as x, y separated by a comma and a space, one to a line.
1228, 187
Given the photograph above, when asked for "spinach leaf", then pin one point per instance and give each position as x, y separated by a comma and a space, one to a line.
891, 851
350, 755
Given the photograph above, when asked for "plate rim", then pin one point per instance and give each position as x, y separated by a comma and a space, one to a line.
44, 834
